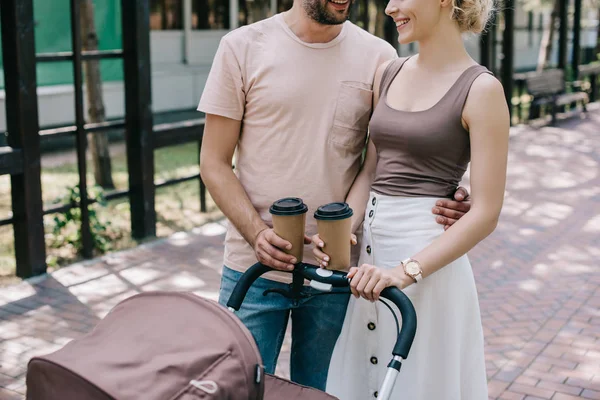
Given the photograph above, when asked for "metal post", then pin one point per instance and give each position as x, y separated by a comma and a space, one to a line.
508, 52
530, 28
202, 185
187, 30
138, 116
18, 46
520, 91
485, 47
366, 17
563, 33
234, 14
81, 140
576, 57
492, 32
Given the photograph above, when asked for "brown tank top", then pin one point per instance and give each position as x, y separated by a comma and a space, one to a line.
421, 153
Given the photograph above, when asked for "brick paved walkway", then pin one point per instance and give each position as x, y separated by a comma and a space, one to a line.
537, 275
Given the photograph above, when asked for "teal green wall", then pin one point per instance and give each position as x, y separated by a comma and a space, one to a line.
53, 33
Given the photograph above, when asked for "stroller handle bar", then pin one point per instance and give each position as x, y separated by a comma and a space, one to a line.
325, 280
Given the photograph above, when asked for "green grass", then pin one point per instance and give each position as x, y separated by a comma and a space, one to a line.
177, 207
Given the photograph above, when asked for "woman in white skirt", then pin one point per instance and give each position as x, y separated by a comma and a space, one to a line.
434, 113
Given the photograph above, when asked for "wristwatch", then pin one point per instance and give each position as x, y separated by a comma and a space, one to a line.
413, 269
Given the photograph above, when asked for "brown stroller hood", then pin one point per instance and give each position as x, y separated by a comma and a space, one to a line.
161, 346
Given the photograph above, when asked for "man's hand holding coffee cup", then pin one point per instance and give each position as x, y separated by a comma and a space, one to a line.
267, 249
320, 256
283, 246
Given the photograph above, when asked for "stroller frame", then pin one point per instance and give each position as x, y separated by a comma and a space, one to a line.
324, 280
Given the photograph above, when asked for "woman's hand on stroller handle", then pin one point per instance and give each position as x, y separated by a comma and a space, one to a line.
368, 281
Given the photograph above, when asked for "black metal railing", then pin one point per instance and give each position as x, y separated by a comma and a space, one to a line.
85, 55
21, 158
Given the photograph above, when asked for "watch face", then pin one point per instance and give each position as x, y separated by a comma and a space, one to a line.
412, 268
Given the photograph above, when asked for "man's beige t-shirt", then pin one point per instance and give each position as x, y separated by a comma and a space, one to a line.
305, 109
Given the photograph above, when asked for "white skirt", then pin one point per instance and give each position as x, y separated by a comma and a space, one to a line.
446, 361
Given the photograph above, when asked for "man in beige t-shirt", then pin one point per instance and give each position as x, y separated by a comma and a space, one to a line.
293, 95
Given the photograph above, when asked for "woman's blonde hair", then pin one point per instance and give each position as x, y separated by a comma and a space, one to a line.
472, 15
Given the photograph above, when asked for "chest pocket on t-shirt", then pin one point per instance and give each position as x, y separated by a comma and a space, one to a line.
352, 113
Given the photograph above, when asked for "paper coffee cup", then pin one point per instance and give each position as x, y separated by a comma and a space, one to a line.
334, 224
289, 222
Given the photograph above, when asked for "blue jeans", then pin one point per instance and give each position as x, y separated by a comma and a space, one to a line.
316, 325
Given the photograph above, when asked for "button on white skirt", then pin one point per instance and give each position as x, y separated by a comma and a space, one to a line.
446, 361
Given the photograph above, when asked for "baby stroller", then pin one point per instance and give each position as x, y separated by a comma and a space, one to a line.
178, 346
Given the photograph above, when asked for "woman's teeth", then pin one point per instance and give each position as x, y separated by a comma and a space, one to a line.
400, 23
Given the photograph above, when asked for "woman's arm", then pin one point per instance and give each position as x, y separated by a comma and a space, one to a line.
358, 196
359, 191
487, 118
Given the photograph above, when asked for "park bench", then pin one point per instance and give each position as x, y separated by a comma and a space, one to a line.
549, 88
590, 71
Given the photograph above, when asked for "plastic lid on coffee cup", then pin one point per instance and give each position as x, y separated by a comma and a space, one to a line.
288, 206
333, 211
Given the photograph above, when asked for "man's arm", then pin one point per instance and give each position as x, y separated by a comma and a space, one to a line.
220, 139
449, 211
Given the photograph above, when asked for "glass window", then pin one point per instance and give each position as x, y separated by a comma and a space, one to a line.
166, 14
210, 14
